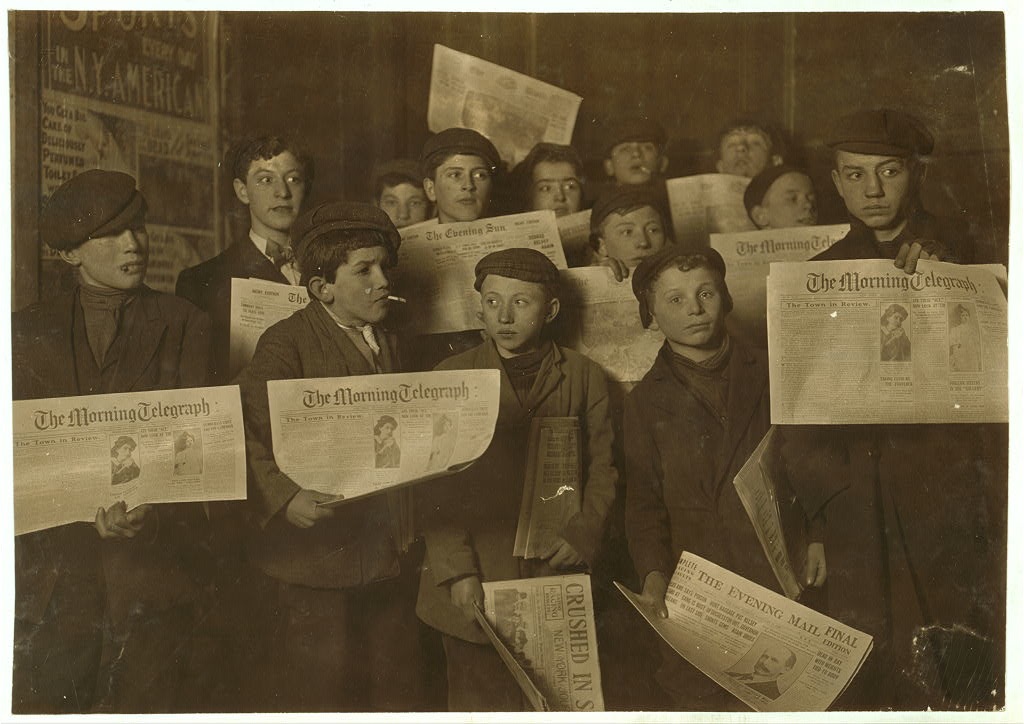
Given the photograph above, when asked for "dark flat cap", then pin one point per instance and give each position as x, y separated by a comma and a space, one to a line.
92, 204
881, 131
629, 196
403, 168
333, 216
760, 184
632, 128
453, 141
649, 269
527, 265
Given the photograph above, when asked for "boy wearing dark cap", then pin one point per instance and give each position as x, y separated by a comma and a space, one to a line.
470, 519
627, 224
634, 150
271, 177
347, 630
689, 426
398, 190
780, 197
458, 167
110, 334
550, 177
746, 147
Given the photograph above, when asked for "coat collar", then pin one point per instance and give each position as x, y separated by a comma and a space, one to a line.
549, 377
141, 342
252, 263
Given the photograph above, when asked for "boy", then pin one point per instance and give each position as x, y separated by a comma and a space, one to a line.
746, 147
689, 426
458, 169
470, 519
627, 224
110, 334
634, 151
272, 177
398, 190
347, 629
781, 197
550, 177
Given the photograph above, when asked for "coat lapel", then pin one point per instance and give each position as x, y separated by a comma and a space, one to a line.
747, 378
252, 264
141, 342
549, 377
336, 345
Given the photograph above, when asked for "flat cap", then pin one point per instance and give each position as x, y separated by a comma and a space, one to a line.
629, 196
632, 128
881, 131
527, 265
92, 204
453, 141
759, 185
649, 269
333, 216
403, 168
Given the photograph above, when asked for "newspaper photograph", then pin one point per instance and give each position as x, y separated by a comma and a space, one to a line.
779, 522
574, 231
862, 342
771, 653
551, 490
600, 318
513, 110
256, 305
73, 455
748, 255
529, 689
436, 263
705, 204
548, 624
397, 428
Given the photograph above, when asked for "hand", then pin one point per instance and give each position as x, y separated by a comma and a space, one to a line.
910, 253
303, 511
117, 522
815, 572
618, 267
561, 555
467, 593
653, 595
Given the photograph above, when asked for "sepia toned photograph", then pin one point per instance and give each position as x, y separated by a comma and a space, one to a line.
665, 238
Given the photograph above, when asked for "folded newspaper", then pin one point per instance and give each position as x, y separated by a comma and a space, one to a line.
771, 653
397, 428
547, 624
854, 342
73, 455
551, 490
707, 204
256, 305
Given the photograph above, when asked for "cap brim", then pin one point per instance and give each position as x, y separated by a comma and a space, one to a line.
873, 148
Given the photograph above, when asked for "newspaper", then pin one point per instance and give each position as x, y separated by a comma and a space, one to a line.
396, 428
771, 653
779, 523
436, 263
73, 455
529, 689
551, 491
863, 342
574, 231
707, 204
548, 623
747, 256
256, 305
513, 110
601, 319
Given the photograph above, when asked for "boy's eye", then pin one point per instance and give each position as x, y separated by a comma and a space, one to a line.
707, 294
481, 174
545, 188
453, 175
416, 203
854, 175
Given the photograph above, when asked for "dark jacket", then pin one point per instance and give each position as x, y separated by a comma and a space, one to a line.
470, 518
208, 286
164, 348
859, 242
360, 543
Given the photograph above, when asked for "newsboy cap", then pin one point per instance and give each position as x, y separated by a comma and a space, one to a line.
649, 269
331, 216
527, 265
628, 196
759, 185
453, 141
398, 168
881, 131
92, 204
632, 128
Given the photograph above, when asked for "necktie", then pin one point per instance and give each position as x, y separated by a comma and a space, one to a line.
371, 339
280, 253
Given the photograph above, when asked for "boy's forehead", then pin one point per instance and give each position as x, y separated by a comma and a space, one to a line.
746, 131
461, 160
501, 283
406, 186
672, 276
630, 214
793, 179
365, 255
850, 159
285, 160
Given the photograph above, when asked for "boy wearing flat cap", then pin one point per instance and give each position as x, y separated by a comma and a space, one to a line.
780, 197
469, 519
627, 224
915, 529
689, 426
110, 334
747, 146
458, 170
398, 190
347, 631
634, 150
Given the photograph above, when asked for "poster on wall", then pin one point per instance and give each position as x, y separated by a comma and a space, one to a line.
135, 91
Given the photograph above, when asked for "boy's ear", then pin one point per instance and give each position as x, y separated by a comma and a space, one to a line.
839, 186
653, 326
553, 306
71, 256
776, 160
609, 167
428, 189
241, 192
480, 315
600, 249
662, 163
760, 216
319, 289
719, 165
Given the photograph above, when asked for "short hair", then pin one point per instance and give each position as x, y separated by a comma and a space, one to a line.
180, 438
120, 442
242, 154
392, 179
385, 420
688, 262
322, 255
776, 144
961, 309
895, 309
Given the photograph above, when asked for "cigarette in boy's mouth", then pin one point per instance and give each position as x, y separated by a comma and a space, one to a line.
393, 298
